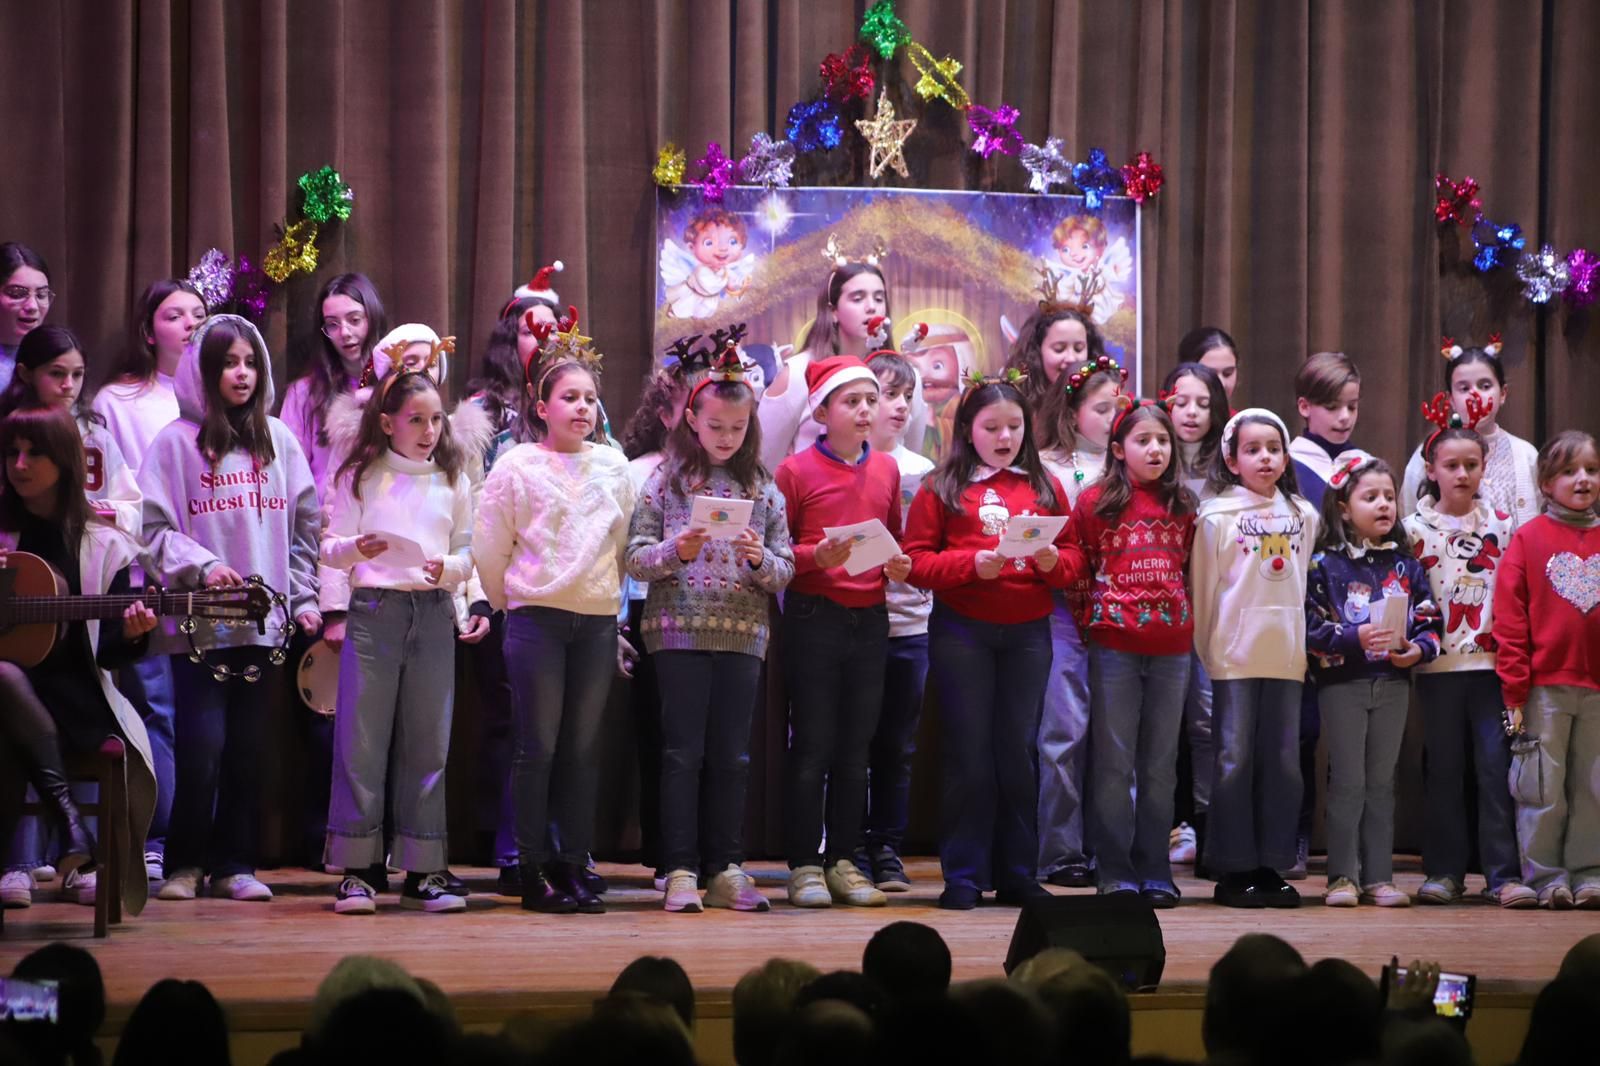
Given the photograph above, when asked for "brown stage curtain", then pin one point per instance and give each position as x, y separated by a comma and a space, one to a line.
484, 137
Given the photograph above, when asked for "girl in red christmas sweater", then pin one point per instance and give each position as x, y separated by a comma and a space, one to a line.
988, 638
1131, 533
1547, 628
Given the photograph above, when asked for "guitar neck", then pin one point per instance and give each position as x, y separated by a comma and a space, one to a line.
26, 610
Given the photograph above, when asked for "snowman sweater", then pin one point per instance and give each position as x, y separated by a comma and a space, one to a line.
1343, 593
1137, 601
944, 546
1547, 607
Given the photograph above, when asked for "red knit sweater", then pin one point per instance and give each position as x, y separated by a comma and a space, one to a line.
819, 491
944, 545
1547, 609
1139, 602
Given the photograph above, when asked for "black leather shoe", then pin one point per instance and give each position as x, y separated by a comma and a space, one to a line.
568, 878
1159, 898
959, 898
1018, 894
509, 882
539, 895
1238, 890
1274, 890
593, 881
1072, 875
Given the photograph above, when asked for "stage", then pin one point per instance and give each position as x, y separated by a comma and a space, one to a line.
263, 961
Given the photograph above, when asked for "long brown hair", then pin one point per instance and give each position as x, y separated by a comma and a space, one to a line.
54, 435
326, 369
225, 427
138, 362
954, 473
823, 340
371, 441
1116, 487
688, 467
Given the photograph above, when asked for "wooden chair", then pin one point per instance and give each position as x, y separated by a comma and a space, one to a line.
108, 769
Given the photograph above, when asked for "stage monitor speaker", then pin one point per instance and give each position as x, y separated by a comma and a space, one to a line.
1120, 935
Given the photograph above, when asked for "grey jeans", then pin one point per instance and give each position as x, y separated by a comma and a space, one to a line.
1363, 722
391, 726
1556, 788
1064, 745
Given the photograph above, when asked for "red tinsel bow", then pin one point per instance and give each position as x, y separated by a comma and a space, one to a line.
1458, 201
1142, 177
1338, 477
848, 76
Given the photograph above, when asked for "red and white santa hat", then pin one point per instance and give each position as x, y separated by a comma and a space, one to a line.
540, 287
823, 376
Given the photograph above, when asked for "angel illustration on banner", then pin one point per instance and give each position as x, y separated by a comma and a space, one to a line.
1083, 245
712, 264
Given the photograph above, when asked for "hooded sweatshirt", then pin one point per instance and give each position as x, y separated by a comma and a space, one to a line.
1248, 575
262, 521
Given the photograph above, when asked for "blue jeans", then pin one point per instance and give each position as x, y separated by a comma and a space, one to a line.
1363, 721
834, 661
220, 733
148, 686
560, 666
708, 700
1063, 745
991, 681
1255, 790
392, 729
1197, 726
1133, 737
1461, 721
905, 678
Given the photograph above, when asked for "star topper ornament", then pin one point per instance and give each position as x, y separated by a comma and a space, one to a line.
1047, 164
887, 136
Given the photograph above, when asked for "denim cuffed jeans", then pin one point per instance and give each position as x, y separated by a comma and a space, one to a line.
560, 666
1255, 787
1137, 712
1461, 717
1363, 722
708, 700
1063, 744
391, 729
991, 680
1556, 789
834, 662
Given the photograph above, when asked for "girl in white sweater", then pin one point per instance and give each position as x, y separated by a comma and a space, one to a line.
549, 539
400, 519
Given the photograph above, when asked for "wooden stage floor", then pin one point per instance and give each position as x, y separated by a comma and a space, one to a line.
263, 961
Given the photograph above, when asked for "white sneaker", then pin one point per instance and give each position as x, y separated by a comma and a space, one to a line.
78, 886
807, 888
244, 888
153, 864
355, 896
1181, 844
735, 890
183, 883
16, 889
682, 892
848, 885
429, 893
1586, 897
1513, 896
1385, 894
44, 872
1341, 893
1439, 890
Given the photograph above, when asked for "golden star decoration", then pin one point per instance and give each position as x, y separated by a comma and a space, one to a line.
887, 136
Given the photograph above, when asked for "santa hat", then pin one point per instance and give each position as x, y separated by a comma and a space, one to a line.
540, 287
823, 376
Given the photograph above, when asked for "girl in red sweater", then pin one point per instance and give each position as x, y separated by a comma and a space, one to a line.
1131, 532
988, 639
1547, 628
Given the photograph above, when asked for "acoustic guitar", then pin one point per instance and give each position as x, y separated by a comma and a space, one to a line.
35, 606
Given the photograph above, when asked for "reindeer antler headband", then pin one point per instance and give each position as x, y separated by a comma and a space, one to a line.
396, 353
726, 370
1450, 349
838, 257
1089, 287
1439, 413
1080, 374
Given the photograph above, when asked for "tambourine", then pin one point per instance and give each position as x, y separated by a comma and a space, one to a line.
317, 678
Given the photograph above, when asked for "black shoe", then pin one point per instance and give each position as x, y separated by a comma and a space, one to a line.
888, 872
593, 881
49, 780
429, 892
1018, 894
539, 895
1159, 898
1072, 875
1121, 893
509, 882
1274, 890
568, 878
454, 885
959, 898
1238, 890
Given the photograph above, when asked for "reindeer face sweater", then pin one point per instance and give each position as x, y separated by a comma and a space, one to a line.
1462, 558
